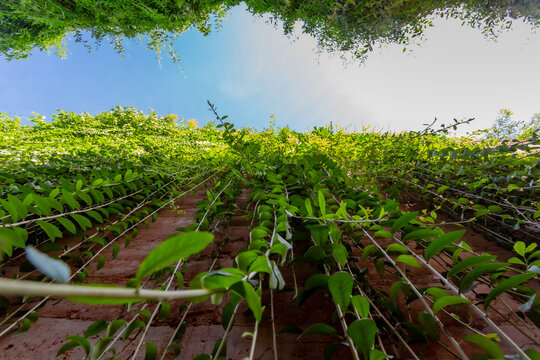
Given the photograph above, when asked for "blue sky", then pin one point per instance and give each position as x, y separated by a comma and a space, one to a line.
250, 70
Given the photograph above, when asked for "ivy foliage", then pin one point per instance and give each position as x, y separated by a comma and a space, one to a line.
337, 198
352, 26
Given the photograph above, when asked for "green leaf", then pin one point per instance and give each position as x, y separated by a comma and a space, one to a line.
75, 340
97, 216
488, 345
308, 207
280, 249
409, 260
151, 351
178, 247
83, 221
43, 204
67, 224
495, 209
340, 253
133, 326
245, 258
319, 329
531, 247
11, 210
470, 262
10, 238
320, 234
512, 187
442, 242
99, 347
22, 210
396, 248
114, 326
116, 249
51, 230
329, 350
84, 197
246, 291
429, 325
68, 198
403, 220
533, 354
101, 262
447, 301
368, 251
361, 304
203, 357
258, 233
377, 355
322, 203
506, 285
164, 311
362, 332
340, 285
479, 271
223, 352
519, 248
313, 283
66, 347
383, 234
95, 328
260, 265
442, 188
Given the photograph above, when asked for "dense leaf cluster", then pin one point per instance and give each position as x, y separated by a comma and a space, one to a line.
353, 26
327, 199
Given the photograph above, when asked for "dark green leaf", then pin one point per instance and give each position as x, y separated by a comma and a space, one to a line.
67, 224
442, 242
403, 220
362, 332
429, 325
151, 351
340, 285
319, 329
506, 285
361, 304
51, 230
95, 328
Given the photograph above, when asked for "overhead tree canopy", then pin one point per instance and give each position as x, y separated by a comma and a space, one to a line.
344, 25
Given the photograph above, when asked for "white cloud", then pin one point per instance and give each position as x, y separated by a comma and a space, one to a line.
455, 73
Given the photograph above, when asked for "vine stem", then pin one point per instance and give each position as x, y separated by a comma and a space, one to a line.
254, 341
34, 288
256, 330
6, 330
381, 316
170, 280
178, 264
473, 307
420, 297
274, 337
227, 330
